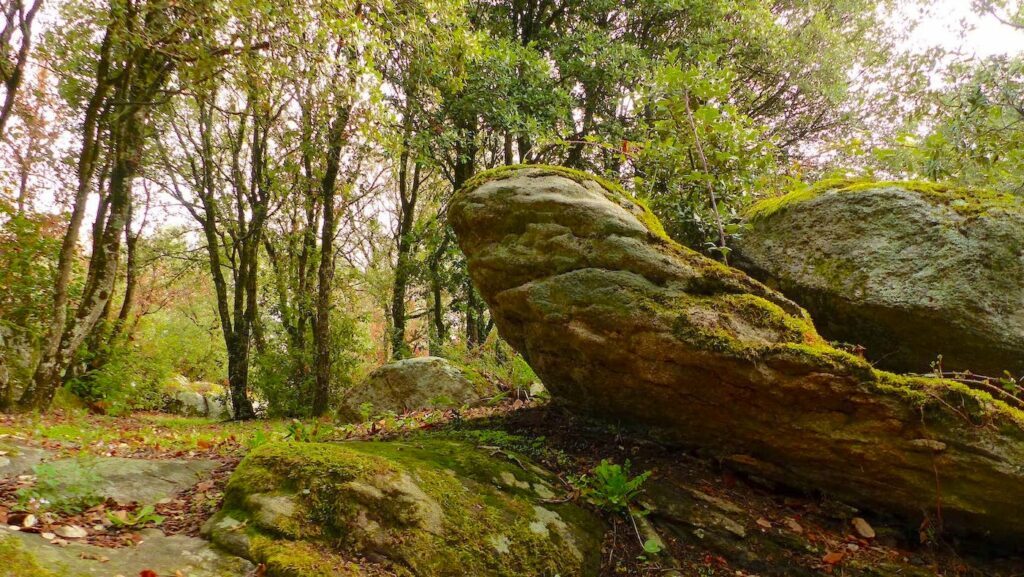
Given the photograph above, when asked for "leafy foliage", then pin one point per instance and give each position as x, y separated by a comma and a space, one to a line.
611, 487
70, 489
144, 516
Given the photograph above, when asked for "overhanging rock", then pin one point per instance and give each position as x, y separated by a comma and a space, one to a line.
621, 322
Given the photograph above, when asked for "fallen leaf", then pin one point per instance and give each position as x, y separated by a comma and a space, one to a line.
833, 557
148, 573
794, 526
863, 528
71, 532
47, 535
764, 523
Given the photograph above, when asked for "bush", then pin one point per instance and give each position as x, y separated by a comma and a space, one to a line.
29, 246
284, 376
495, 361
135, 374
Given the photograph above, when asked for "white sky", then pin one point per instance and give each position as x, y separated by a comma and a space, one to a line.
954, 26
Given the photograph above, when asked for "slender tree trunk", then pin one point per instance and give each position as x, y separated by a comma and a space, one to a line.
472, 321
12, 80
237, 350
131, 279
509, 159
465, 167
48, 370
399, 348
407, 193
325, 275
102, 264
440, 330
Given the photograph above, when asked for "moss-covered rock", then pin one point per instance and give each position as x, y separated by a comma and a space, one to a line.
622, 323
425, 507
195, 398
16, 561
908, 270
417, 383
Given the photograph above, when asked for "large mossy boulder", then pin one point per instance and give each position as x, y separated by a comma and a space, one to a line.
910, 271
426, 507
621, 322
412, 384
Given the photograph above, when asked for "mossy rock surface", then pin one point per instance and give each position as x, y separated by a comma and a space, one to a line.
621, 323
417, 383
908, 270
426, 507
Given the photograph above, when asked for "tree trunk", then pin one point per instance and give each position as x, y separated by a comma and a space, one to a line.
439, 332
325, 276
407, 194
99, 285
472, 329
48, 370
12, 80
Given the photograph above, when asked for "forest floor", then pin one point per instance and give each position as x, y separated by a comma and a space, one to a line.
729, 526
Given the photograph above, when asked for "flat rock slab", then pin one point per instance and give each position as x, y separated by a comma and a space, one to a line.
141, 480
164, 555
19, 459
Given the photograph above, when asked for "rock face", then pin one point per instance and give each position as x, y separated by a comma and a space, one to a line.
417, 383
196, 399
908, 270
621, 322
428, 507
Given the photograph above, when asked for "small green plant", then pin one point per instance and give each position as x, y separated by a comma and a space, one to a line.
610, 486
1009, 383
366, 411
257, 440
299, 431
71, 488
141, 517
652, 547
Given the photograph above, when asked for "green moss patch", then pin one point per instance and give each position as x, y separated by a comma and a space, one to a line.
431, 506
979, 406
968, 202
15, 561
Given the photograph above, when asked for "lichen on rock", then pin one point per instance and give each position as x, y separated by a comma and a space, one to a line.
908, 270
621, 323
